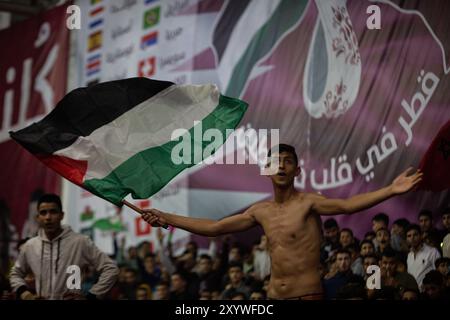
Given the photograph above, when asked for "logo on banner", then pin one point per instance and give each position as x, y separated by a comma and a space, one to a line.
147, 67
149, 40
95, 41
151, 17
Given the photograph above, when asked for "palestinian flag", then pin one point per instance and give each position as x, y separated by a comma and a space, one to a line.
115, 138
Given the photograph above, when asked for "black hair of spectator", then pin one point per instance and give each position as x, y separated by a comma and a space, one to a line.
330, 223
381, 217
433, 277
162, 283
402, 222
128, 269
238, 294
50, 198
150, 255
441, 260
389, 253
235, 264
347, 230
342, 251
260, 291
413, 226
445, 211
373, 256
425, 212
282, 147
182, 275
206, 256
353, 247
365, 242
370, 233
383, 229
237, 245
408, 289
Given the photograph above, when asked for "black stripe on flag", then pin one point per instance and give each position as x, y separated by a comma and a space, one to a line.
83, 110
226, 25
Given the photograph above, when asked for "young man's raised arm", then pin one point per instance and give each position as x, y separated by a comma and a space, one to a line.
204, 227
401, 184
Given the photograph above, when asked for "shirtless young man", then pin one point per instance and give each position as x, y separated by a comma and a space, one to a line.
291, 223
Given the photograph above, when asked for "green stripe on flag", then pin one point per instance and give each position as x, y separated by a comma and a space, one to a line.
286, 15
150, 170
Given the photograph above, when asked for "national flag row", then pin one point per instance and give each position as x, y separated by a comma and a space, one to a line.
149, 39
95, 41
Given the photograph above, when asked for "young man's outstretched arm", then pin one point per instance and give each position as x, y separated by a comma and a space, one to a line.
204, 227
402, 184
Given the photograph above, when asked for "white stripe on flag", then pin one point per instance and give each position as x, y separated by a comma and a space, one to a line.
149, 124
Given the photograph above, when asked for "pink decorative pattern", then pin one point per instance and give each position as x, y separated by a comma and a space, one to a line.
347, 44
334, 105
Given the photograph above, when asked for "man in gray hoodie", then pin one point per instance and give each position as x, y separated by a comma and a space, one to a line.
56, 257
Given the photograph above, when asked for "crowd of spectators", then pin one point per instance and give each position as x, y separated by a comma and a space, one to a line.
402, 260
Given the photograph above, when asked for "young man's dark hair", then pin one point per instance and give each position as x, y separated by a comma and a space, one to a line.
371, 256
132, 270
402, 222
354, 247
365, 241
413, 226
234, 264
425, 212
441, 260
285, 148
445, 211
238, 294
369, 234
389, 253
330, 223
206, 256
259, 292
433, 277
347, 230
149, 255
382, 217
181, 274
50, 198
342, 250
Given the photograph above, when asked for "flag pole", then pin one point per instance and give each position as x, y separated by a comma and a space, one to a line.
138, 210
